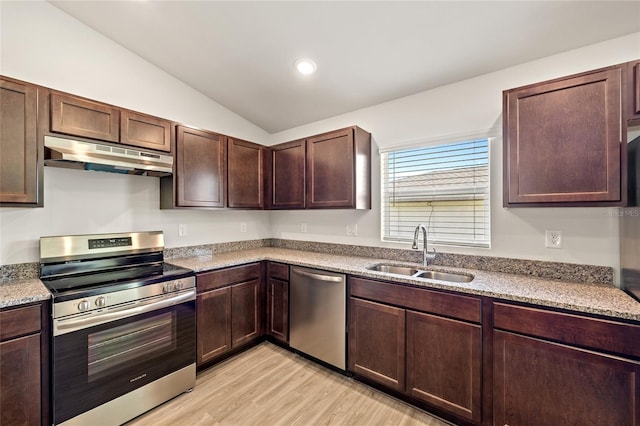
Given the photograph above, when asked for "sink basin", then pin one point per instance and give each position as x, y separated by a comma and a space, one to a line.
394, 269
411, 271
445, 276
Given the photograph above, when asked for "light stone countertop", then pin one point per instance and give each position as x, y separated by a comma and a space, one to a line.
22, 292
598, 299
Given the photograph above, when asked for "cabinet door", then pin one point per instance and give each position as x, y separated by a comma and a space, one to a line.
562, 141
20, 381
245, 174
632, 91
246, 312
444, 364
19, 166
377, 342
278, 309
330, 170
288, 175
81, 117
543, 383
200, 168
145, 131
213, 310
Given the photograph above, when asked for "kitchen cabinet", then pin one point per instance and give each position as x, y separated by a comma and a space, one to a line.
422, 343
86, 118
23, 383
278, 301
288, 175
338, 170
145, 131
377, 342
631, 91
77, 116
326, 171
562, 142
229, 310
200, 168
557, 368
245, 178
21, 166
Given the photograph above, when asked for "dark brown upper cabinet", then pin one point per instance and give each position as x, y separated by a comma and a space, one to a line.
77, 116
245, 177
632, 90
327, 171
562, 142
145, 131
339, 169
288, 175
200, 168
85, 118
20, 151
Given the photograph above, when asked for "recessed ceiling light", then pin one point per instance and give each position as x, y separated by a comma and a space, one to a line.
305, 66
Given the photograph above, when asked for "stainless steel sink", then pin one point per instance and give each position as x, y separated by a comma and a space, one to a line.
445, 276
394, 269
411, 271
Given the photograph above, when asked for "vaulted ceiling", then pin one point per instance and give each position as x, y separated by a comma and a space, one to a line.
241, 54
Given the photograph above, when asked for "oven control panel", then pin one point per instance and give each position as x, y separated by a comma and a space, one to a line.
107, 301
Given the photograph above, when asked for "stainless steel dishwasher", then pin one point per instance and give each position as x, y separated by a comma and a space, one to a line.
317, 314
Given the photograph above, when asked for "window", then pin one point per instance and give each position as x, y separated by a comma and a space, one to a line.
445, 187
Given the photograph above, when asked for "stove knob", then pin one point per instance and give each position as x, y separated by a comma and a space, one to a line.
168, 288
179, 285
101, 301
84, 305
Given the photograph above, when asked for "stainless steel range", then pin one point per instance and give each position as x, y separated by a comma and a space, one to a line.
123, 326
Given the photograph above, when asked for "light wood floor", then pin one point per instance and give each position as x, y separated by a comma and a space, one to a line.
268, 385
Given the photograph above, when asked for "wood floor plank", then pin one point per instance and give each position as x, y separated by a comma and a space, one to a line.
268, 385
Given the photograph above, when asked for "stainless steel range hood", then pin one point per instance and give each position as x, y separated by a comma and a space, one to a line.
73, 154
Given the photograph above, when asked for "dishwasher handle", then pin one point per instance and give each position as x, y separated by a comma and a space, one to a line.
318, 277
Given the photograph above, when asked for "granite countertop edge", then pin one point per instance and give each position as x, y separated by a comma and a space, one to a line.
597, 299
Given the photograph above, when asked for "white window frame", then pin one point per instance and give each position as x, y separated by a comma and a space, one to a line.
447, 200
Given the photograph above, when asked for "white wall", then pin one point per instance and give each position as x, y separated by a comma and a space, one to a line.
43, 45
590, 235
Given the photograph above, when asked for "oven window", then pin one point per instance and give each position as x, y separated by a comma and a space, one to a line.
114, 348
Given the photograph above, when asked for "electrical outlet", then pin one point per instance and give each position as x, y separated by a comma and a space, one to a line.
553, 239
182, 230
352, 230
243, 227
303, 228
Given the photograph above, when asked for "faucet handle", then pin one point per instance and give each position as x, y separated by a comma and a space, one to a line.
431, 255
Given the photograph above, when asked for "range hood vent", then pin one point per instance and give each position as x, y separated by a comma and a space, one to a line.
73, 154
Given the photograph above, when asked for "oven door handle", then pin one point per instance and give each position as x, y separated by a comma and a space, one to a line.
68, 325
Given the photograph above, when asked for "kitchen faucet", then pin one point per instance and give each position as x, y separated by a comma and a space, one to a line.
426, 256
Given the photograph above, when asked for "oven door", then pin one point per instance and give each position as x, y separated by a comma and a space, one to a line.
94, 364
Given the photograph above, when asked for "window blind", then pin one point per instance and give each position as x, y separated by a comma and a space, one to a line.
445, 187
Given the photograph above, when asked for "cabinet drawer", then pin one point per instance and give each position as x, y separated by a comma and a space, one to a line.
610, 336
451, 305
20, 321
82, 117
227, 276
279, 271
377, 291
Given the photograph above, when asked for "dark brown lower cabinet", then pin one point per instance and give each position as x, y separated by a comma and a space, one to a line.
246, 312
278, 309
213, 310
444, 363
377, 342
23, 366
537, 382
229, 310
